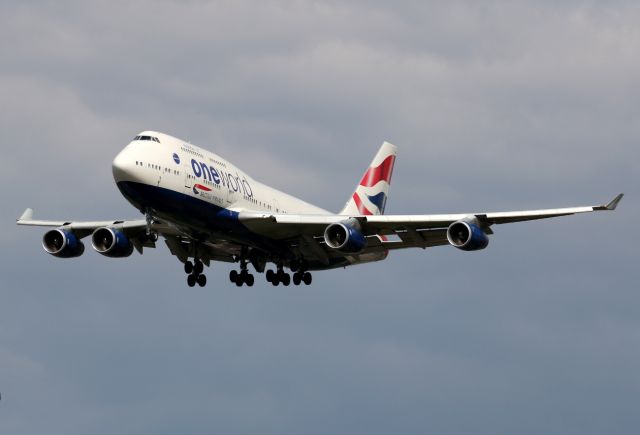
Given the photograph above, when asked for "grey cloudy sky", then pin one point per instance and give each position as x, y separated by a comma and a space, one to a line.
494, 106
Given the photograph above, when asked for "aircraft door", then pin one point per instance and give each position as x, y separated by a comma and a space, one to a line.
232, 196
188, 178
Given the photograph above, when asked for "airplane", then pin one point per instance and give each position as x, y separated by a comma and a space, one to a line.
207, 209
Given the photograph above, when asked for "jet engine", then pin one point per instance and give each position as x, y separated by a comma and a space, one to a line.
111, 242
467, 236
62, 243
345, 236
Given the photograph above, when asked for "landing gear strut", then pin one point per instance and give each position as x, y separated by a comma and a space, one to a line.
150, 234
194, 270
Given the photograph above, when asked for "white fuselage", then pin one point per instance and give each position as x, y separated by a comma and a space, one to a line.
172, 164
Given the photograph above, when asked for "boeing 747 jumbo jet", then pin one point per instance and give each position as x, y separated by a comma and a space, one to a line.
208, 209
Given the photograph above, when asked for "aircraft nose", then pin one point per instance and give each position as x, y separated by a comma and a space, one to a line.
123, 166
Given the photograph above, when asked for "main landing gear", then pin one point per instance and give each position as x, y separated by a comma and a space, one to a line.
242, 277
302, 277
281, 277
195, 273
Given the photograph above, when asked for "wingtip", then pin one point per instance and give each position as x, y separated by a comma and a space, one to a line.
27, 215
614, 203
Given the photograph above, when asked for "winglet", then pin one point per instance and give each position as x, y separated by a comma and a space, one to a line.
27, 215
612, 205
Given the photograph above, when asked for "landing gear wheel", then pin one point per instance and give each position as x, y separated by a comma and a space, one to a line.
250, 280
233, 276
202, 280
270, 275
198, 267
286, 279
275, 278
191, 280
188, 267
241, 278
306, 277
297, 278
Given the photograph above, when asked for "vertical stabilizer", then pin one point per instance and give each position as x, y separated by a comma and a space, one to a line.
370, 196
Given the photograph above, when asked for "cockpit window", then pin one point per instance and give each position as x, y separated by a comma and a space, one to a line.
155, 139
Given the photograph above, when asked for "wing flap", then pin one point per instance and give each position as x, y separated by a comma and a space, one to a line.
412, 238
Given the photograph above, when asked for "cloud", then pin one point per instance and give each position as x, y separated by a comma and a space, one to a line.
493, 105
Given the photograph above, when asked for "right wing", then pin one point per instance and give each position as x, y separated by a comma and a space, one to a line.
413, 230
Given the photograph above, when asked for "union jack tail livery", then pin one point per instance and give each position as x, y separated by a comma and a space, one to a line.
371, 194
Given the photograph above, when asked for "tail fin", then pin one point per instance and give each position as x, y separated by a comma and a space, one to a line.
371, 194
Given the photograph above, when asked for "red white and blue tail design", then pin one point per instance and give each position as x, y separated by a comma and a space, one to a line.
371, 194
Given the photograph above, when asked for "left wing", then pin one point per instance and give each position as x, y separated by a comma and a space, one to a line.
82, 228
137, 231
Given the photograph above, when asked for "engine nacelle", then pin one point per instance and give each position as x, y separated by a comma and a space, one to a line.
62, 243
467, 236
345, 237
111, 243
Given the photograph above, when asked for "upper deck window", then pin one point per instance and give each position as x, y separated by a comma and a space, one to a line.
155, 139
